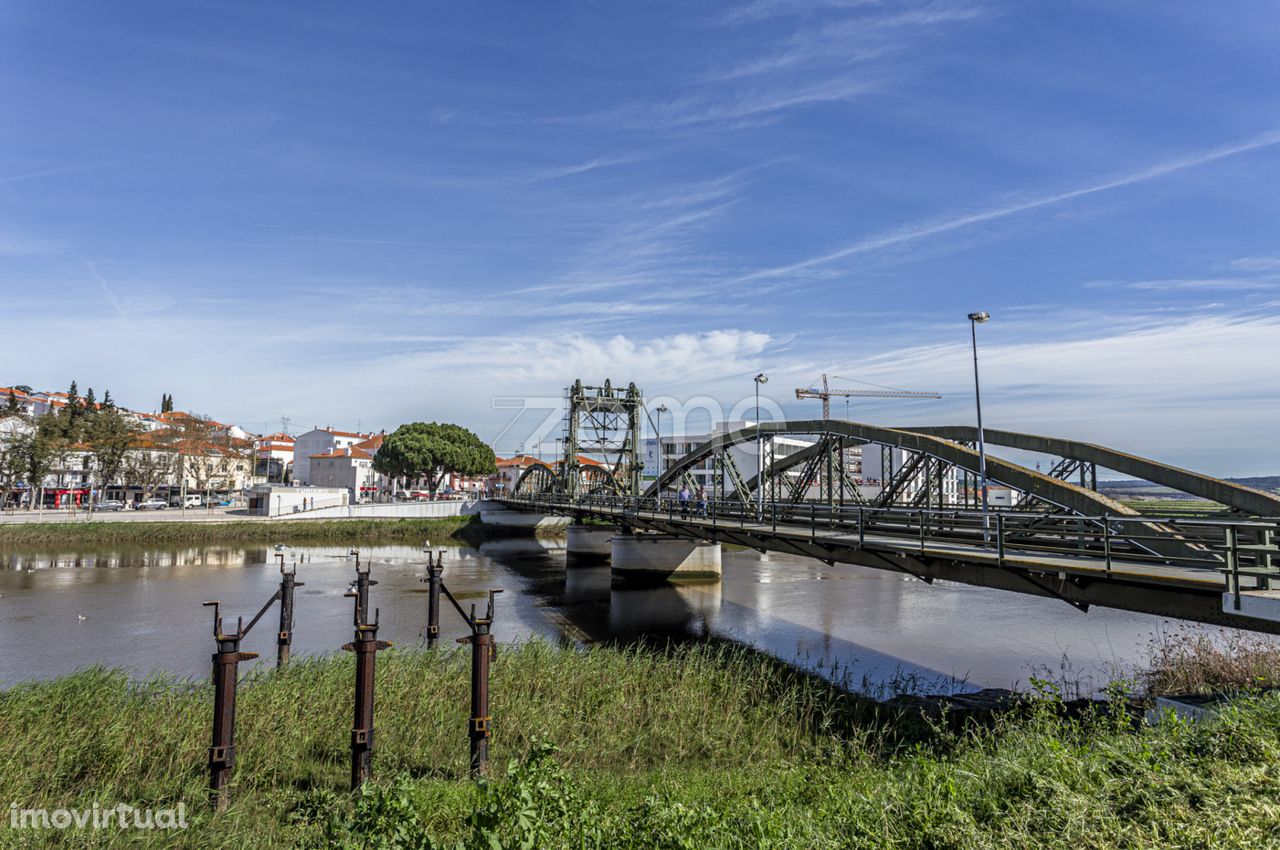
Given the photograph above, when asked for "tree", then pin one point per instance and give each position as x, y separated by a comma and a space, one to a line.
11, 407
107, 403
109, 437
147, 468
90, 402
166, 403
431, 450
12, 430
191, 438
38, 451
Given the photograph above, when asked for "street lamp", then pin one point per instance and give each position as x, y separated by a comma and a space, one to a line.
761, 378
661, 409
976, 319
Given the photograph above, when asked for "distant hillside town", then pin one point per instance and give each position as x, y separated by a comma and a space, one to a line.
67, 450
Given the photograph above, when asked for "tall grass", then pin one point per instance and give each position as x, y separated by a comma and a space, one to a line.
1192, 661
702, 746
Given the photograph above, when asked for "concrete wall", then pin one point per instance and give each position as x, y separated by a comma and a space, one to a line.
396, 510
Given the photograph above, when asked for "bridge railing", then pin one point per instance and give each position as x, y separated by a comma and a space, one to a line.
1234, 548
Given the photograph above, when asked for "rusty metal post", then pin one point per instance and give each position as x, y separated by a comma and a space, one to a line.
366, 646
483, 651
435, 568
284, 637
360, 589
226, 663
481, 646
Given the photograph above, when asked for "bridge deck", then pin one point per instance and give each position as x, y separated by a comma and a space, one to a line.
1088, 565
1049, 562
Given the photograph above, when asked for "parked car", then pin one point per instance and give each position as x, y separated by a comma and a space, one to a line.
109, 505
153, 504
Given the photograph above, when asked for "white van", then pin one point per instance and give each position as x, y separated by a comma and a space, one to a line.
192, 500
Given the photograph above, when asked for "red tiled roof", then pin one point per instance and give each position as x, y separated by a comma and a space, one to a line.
372, 444
353, 452
347, 433
519, 460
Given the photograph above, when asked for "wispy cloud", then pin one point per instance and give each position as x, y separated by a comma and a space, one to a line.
762, 9
111, 296
62, 169
1186, 284
949, 224
559, 172
853, 40
1258, 263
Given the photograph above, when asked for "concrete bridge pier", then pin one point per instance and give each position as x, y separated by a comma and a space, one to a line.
655, 558
589, 544
495, 513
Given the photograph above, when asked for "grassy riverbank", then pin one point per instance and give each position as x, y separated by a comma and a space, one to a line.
247, 531
706, 746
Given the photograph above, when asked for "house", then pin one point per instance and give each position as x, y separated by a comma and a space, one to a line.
350, 469
320, 441
274, 457
26, 402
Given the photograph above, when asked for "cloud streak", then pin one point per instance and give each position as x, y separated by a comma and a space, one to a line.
938, 227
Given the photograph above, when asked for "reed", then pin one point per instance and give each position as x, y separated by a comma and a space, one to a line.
698, 746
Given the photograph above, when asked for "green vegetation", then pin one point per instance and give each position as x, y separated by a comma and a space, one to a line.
248, 531
430, 450
704, 746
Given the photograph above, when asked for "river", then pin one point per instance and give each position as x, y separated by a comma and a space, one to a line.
61, 610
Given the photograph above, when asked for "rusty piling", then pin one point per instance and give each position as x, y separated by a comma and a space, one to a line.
226, 664
284, 637
435, 569
483, 650
366, 646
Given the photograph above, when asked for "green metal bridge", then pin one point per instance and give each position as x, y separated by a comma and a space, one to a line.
1058, 538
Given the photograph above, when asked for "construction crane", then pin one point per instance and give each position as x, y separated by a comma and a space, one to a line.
826, 393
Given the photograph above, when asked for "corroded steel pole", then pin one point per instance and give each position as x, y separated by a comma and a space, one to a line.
481, 647
284, 638
226, 663
435, 569
366, 646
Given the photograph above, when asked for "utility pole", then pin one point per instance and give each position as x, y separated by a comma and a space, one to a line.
976, 319
761, 378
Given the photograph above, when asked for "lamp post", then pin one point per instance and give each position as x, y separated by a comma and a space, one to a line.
761, 378
976, 319
660, 409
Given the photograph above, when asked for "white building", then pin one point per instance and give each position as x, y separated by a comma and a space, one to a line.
351, 469
275, 457
880, 463
320, 441
743, 454
276, 500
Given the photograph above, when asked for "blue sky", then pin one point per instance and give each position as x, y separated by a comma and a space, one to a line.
366, 214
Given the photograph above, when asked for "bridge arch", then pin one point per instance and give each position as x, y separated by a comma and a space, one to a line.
542, 478
1235, 496
1071, 497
